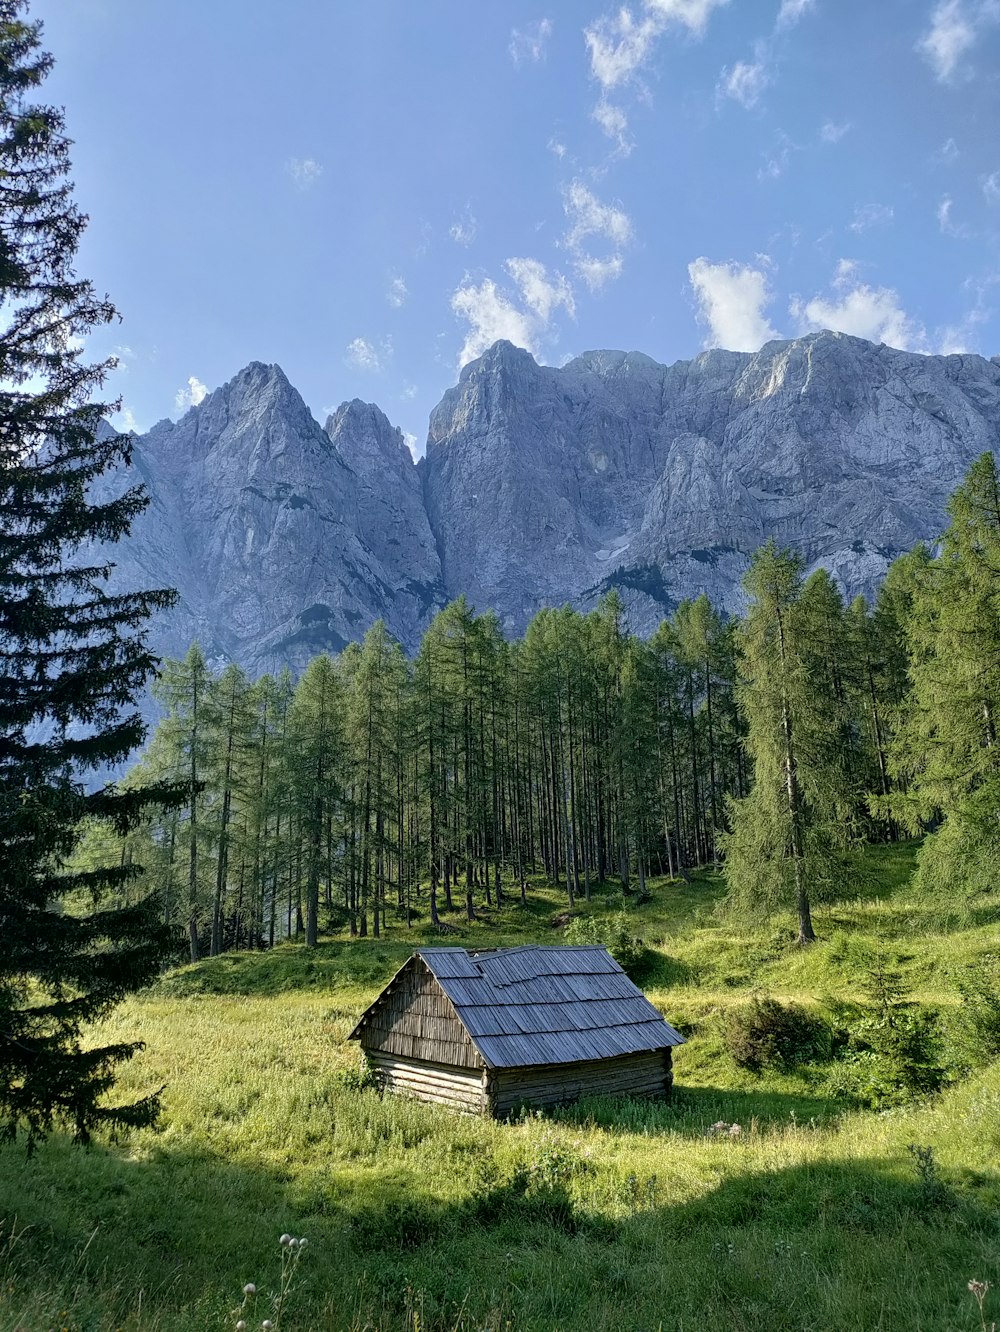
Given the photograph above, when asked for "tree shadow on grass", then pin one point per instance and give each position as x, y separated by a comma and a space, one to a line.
813, 1247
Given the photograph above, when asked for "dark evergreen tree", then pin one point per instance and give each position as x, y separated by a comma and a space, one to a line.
72, 654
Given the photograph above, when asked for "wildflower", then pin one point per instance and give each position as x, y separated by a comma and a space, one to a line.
285, 1240
249, 1289
267, 1325
302, 1243
241, 1326
293, 1244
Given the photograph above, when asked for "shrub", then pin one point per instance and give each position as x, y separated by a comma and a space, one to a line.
979, 1012
612, 933
765, 1033
895, 1046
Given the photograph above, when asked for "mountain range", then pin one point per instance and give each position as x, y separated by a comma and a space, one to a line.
544, 485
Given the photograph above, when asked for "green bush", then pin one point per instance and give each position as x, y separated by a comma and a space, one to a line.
765, 1033
612, 933
979, 1012
895, 1047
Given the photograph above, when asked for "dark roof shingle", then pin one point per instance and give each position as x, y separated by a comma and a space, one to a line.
547, 1004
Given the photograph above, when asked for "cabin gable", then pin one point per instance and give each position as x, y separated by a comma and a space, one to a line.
415, 1019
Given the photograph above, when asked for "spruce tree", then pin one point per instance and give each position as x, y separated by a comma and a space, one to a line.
72, 654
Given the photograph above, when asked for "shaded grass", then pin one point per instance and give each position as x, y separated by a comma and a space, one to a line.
611, 1215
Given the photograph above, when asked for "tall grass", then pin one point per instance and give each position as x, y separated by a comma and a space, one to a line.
606, 1216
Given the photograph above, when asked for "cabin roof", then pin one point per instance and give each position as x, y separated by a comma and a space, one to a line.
545, 1004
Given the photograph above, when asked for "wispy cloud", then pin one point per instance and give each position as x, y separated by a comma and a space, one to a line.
731, 300
361, 354
396, 292
621, 43
614, 122
527, 45
411, 442
493, 312
991, 187
304, 171
191, 395
463, 229
745, 81
792, 10
955, 28
946, 222
590, 220
833, 131
867, 216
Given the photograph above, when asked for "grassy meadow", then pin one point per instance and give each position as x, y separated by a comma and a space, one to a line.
602, 1217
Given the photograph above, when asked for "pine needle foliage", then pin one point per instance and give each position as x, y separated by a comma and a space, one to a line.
72, 653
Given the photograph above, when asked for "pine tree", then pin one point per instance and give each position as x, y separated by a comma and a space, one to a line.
948, 749
72, 655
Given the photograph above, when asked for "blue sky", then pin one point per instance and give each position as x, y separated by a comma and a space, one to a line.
369, 192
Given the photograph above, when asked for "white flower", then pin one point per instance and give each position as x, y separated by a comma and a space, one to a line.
249, 1289
241, 1326
267, 1325
303, 1243
293, 1244
285, 1239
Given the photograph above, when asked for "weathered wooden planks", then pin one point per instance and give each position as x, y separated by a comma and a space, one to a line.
459, 1089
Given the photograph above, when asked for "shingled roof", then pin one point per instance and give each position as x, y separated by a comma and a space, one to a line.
545, 1004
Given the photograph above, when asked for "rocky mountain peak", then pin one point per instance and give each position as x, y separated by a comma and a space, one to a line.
546, 485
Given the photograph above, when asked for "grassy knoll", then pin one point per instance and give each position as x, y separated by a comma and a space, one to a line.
608, 1216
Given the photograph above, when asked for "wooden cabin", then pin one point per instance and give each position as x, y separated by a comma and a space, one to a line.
486, 1033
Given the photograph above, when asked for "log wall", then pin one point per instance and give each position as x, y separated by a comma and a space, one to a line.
456, 1088
415, 1019
648, 1075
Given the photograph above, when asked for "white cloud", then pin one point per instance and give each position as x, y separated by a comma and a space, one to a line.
397, 292
304, 171
191, 395
948, 152
867, 216
588, 216
412, 444
833, 132
559, 149
597, 272
364, 355
744, 82
620, 44
845, 272
792, 10
540, 293
463, 230
492, 313
128, 421
614, 122
408, 392
874, 313
692, 14
951, 35
991, 187
731, 301
947, 224
528, 44
590, 219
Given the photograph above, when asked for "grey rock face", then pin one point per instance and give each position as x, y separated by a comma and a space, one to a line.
548, 485
542, 486
282, 538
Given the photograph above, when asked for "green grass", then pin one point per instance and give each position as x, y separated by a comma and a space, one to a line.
608, 1216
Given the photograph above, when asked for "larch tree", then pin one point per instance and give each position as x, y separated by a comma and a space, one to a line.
783, 832
73, 654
